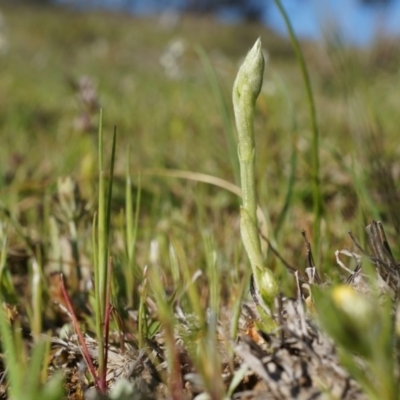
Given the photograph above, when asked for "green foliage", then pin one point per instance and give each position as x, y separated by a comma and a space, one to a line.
25, 373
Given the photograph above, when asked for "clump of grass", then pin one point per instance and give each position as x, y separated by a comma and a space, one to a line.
26, 373
101, 259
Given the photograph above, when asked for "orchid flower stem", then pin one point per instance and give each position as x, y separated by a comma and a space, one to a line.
246, 89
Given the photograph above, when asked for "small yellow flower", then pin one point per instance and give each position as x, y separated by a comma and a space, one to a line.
353, 304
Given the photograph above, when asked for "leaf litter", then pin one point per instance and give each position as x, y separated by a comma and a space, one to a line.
295, 360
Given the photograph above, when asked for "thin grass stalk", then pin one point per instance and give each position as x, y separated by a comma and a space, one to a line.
47, 201
46, 361
237, 307
101, 222
54, 235
142, 323
129, 232
96, 275
33, 380
293, 165
128, 206
19, 230
236, 310
223, 111
3, 248
194, 176
37, 306
213, 273
6, 283
289, 191
192, 292
12, 354
100, 266
25, 377
109, 198
167, 320
211, 361
132, 223
174, 267
317, 196
206, 358
366, 204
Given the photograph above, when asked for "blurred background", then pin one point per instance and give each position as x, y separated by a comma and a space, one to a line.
354, 21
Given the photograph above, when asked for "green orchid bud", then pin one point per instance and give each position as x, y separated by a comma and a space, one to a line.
246, 89
249, 79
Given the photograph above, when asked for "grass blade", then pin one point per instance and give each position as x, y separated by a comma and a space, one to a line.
317, 196
223, 110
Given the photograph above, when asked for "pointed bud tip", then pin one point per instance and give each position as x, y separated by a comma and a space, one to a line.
251, 72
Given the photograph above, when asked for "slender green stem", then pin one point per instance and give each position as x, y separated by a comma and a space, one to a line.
129, 210
317, 197
108, 208
101, 267
101, 225
131, 228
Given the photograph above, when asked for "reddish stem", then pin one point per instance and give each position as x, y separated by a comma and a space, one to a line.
81, 339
